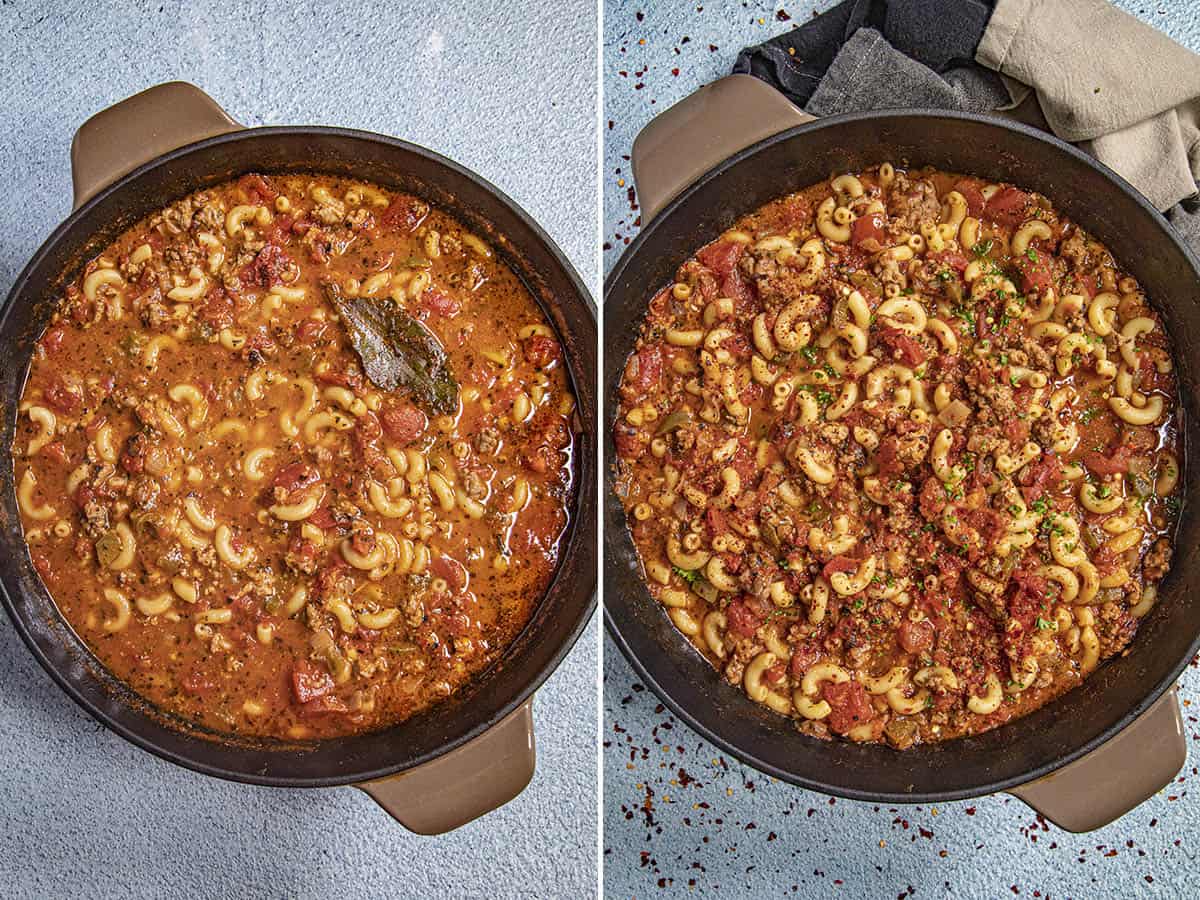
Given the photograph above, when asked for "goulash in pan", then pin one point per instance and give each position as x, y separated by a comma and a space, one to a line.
294, 456
898, 454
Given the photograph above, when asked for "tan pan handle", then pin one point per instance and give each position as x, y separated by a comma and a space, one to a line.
1120, 774
703, 129
464, 784
117, 140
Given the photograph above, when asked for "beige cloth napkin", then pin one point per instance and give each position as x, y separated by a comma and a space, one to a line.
1126, 93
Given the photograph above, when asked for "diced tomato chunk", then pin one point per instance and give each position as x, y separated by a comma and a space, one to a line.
849, 705
52, 340
1016, 430
1027, 599
775, 674
933, 498
642, 371
403, 422
628, 440
738, 288
887, 456
1040, 475
867, 228
804, 658
915, 637
323, 518
268, 267
347, 379
63, 399
721, 257
440, 304
55, 451
257, 188
403, 214
839, 564
451, 571
987, 522
296, 477
366, 435
280, 230
1007, 206
1035, 274
906, 348
541, 351
742, 620
217, 309
310, 331
309, 681
972, 193
951, 259
714, 520
1112, 462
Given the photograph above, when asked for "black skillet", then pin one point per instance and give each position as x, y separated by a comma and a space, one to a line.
1082, 760
460, 759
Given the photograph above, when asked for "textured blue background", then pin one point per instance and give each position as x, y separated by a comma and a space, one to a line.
680, 817
512, 95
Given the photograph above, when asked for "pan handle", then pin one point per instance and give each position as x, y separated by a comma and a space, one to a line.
1120, 774
464, 784
679, 145
134, 131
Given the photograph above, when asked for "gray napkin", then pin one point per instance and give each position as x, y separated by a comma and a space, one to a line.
1131, 100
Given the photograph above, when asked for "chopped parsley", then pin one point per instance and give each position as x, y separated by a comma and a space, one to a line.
809, 354
982, 248
691, 576
965, 314
1046, 625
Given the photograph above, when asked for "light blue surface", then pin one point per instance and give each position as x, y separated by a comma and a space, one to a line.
681, 818
511, 95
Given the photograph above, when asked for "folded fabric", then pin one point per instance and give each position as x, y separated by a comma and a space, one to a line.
938, 34
1134, 103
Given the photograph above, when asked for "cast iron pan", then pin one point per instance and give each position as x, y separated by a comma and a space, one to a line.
1112, 742
463, 757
